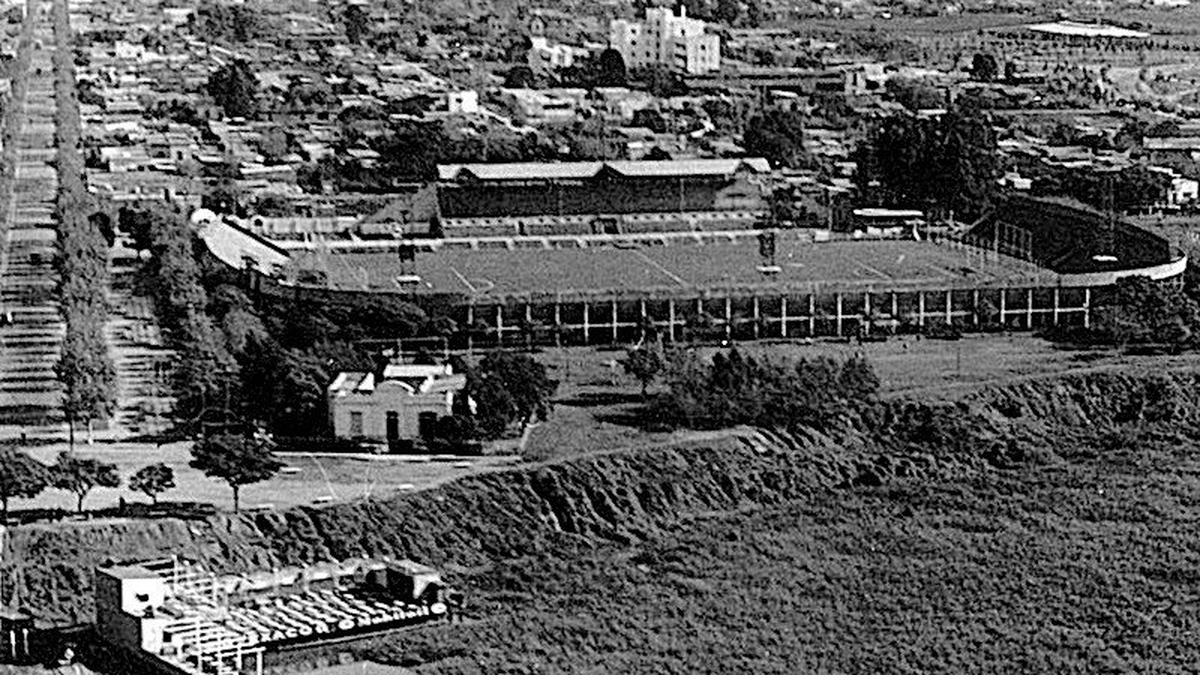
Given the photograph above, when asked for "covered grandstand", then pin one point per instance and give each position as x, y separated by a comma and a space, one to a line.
600, 188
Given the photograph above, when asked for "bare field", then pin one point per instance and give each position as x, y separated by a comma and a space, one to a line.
307, 478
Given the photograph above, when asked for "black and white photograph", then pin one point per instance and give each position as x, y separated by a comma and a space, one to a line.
630, 337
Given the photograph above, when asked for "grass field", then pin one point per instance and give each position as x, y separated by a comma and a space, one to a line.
484, 273
597, 403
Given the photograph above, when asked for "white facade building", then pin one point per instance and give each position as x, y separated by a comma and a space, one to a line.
545, 56
400, 405
662, 38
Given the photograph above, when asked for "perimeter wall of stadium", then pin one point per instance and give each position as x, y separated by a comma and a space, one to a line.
763, 311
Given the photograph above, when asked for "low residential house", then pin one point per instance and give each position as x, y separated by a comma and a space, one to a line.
545, 106
398, 405
1183, 192
1181, 153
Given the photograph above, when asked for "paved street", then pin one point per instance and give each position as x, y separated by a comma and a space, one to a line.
30, 342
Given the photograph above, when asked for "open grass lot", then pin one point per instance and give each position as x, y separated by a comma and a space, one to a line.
597, 403
1085, 565
483, 273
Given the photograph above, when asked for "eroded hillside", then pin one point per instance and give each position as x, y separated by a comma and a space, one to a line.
624, 497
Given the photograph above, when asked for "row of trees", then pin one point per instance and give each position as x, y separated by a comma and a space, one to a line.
748, 13
735, 388
235, 459
227, 22
204, 372
1129, 189
84, 368
22, 477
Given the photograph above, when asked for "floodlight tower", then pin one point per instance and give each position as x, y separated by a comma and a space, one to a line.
1106, 240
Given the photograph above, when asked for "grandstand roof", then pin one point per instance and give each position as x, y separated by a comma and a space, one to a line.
1180, 143
1089, 30
525, 171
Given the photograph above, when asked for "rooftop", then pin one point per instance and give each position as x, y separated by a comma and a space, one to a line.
1092, 30
583, 170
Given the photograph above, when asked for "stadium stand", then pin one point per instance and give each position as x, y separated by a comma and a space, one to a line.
583, 188
1070, 238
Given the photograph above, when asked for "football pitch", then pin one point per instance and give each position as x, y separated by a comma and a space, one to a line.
887, 265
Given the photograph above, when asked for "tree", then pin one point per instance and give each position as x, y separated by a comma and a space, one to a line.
661, 81
235, 88
950, 161
645, 364
1141, 311
79, 476
610, 69
87, 374
698, 9
354, 20
735, 388
984, 68
756, 15
777, 135
914, 94
411, 151
274, 145
20, 476
727, 11
229, 22
657, 154
511, 388
235, 459
520, 77
153, 480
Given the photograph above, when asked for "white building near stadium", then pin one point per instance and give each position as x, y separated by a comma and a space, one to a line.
662, 38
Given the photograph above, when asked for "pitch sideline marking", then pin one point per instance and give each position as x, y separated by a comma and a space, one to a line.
655, 264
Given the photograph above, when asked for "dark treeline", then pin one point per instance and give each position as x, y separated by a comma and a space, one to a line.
950, 162
736, 388
1129, 189
1138, 312
85, 368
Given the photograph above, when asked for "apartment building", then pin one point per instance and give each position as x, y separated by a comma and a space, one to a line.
662, 38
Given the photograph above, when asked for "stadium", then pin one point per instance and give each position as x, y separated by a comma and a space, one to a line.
1029, 265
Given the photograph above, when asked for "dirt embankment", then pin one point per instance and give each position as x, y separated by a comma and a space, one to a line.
616, 496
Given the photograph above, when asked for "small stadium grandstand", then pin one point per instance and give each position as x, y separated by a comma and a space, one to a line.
1068, 238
